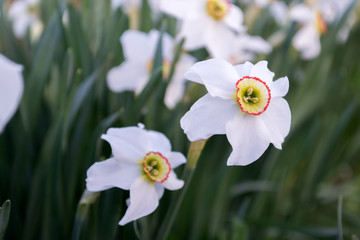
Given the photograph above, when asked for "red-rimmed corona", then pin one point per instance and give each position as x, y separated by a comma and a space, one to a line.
253, 95
156, 166
217, 9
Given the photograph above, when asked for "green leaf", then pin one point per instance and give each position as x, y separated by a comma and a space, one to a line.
4, 217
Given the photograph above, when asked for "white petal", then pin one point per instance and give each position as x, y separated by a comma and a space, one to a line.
176, 88
17, 9
127, 76
158, 142
207, 117
279, 10
244, 69
138, 46
301, 13
128, 144
256, 44
168, 45
173, 183
176, 159
195, 33
111, 173
159, 188
277, 120
218, 76
143, 200
180, 9
220, 41
280, 87
244, 135
261, 71
307, 41
11, 89
20, 26
234, 19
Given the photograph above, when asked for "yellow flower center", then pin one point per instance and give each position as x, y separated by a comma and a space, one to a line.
166, 67
217, 9
156, 166
320, 24
253, 95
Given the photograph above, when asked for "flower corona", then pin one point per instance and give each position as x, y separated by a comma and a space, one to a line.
253, 95
217, 9
156, 166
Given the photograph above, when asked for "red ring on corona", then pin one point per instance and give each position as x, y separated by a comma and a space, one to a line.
239, 101
149, 172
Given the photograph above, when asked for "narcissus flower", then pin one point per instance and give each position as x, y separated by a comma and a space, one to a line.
11, 88
143, 163
242, 102
24, 14
139, 50
205, 23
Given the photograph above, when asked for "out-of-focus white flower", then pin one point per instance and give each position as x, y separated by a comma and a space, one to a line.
246, 47
139, 50
11, 88
314, 17
307, 39
25, 14
205, 23
143, 163
242, 102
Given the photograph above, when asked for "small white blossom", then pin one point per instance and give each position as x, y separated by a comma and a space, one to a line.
206, 23
139, 50
244, 103
143, 163
24, 14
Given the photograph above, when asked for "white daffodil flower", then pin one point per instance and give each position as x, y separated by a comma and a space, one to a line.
139, 50
206, 23
11, 89
143, 163
24, 14
307, 39
242, 102
314, 17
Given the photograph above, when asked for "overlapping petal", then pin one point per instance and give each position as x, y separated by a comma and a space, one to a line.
127, 144
244, 69
245, 138
261, 71
143, 200
111, 173
276, 121
207, 117
158, 142
218, 76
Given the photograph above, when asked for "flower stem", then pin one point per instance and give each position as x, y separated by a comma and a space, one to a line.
192, 159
